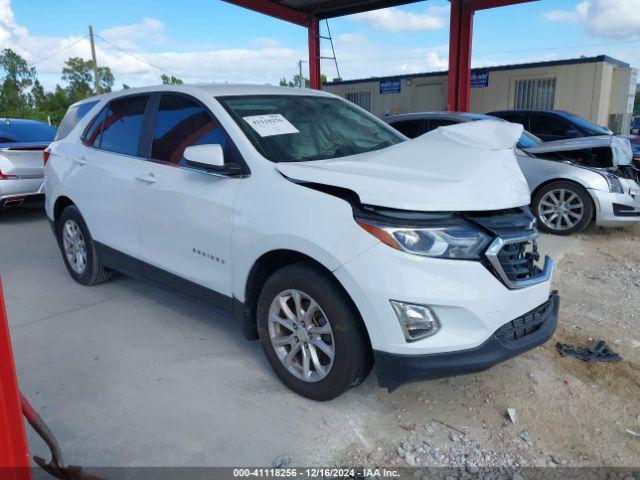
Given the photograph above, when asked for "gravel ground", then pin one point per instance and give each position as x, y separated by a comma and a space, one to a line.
567, 412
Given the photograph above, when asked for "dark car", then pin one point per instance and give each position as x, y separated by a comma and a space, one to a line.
551, 125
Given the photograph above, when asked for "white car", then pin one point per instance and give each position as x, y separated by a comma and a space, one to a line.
331, 237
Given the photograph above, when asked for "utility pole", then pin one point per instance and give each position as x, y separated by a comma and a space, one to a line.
96, 74
300, 74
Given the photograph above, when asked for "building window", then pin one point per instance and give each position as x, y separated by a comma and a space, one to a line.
362, 99
535, 94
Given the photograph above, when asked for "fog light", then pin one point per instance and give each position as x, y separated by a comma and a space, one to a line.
417, 321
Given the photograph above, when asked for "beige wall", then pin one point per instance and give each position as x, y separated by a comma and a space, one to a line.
591, 90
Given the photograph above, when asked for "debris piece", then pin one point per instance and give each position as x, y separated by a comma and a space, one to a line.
512, 415
410, 427
401, 452
282, 461
524, 435
452, 437
410, 458
558, 460
631, 432
635, 344
598, 352
449, 426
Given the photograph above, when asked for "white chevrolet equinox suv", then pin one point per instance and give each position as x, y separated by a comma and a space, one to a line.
326, 234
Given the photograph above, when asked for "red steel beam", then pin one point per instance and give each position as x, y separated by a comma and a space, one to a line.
14, 452
314, 53
460, 39
274, 10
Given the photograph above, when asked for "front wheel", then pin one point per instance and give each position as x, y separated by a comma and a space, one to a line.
310, 333
563, 208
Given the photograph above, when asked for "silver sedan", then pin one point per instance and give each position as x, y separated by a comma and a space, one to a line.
22, 143
573, 182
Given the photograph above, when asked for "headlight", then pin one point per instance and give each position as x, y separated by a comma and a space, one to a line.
614, 183
454, 238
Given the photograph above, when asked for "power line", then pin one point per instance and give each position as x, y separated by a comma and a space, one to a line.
58, 51
139, 58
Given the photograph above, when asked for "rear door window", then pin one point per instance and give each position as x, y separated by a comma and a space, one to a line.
411, 128
548, 125
73, 116
122, 125
513, 117
439, 122
182, 122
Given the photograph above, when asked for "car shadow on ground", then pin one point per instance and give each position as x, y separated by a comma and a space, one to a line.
24, 214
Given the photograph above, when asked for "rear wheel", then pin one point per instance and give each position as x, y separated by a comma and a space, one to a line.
563, 208
310, 334
78, 249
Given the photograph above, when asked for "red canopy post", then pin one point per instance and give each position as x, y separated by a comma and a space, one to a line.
314, 53
460, 38
14, 452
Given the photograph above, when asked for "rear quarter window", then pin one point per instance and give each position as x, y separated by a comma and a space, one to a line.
74, 114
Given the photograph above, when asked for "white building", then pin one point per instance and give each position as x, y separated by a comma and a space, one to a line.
601, 89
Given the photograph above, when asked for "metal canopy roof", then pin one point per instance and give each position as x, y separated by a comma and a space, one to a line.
336, 8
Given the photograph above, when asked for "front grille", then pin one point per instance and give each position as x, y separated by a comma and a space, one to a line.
513, 256
519, 260
525, 325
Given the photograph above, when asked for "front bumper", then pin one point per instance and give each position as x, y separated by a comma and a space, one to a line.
616, 209
512, 339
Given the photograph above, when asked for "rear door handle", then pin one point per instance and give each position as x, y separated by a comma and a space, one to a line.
146, 177
80, 160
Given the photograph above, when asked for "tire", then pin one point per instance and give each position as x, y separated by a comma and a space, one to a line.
352, 357
92, 273
563, 208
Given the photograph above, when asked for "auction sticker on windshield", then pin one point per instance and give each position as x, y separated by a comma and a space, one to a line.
270, 125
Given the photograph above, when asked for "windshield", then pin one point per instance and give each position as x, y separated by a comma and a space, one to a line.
296, 128
528, 140
592, 128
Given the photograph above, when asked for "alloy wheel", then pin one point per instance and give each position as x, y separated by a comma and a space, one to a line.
74, 246
560, 209
301, 335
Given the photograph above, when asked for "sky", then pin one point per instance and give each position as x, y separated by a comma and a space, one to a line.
213, 41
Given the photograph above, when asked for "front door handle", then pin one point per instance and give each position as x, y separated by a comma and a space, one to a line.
146, 177
80, 160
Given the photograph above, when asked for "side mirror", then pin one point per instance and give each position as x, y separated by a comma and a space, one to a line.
571, 133
210, 158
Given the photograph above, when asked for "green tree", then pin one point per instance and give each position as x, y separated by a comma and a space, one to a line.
170, 80
38, 95
17, 76
78, 73
296, 81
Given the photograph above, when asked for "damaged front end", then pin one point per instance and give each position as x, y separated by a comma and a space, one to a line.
504, 241
608, 155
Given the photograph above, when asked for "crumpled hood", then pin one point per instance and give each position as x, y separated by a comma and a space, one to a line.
466, 167
620, 147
